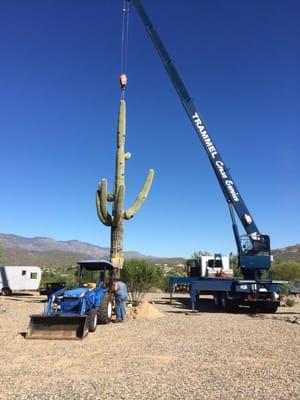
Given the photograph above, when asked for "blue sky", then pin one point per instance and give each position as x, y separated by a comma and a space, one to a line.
60, 63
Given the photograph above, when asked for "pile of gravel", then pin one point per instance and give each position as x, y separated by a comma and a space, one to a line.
144, 311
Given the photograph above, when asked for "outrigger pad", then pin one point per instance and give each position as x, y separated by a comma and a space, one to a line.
64, 327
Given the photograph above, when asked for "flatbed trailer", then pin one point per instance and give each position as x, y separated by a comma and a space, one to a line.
230, 293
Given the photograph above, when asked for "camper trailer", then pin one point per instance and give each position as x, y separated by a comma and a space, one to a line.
18, 278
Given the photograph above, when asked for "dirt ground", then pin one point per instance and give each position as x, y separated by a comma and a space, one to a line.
207, 355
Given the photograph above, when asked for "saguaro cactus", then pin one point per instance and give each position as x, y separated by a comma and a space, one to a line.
116, 219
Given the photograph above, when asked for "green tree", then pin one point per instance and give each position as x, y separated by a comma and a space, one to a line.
285, 270
235, 267
140, 276
198, 254
66, 274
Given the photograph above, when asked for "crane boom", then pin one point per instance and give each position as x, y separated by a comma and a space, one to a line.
228, 186
259, 243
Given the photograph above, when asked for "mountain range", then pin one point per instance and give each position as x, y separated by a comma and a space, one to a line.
288, 253
19, 250
43, 251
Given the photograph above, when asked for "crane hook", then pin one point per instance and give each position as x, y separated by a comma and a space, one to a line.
123, 81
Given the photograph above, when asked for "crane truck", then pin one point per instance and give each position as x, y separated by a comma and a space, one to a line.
253, 247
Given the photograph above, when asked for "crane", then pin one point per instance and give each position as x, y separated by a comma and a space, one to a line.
253, 247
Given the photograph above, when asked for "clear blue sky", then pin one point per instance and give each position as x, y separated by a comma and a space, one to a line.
60, 63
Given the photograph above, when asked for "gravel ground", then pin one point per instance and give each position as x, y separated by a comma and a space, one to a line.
206, 355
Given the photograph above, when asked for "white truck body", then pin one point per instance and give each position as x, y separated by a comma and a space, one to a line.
210, 272
20, 277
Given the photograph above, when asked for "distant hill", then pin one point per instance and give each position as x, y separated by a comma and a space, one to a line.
288, 253
19, 250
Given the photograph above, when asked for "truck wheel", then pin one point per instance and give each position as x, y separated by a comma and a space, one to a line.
228, 305
105, 310
92, 320
224, 302
269, 308
217, 301
6, 291
266, 308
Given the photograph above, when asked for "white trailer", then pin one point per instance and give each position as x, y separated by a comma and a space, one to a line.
15, 278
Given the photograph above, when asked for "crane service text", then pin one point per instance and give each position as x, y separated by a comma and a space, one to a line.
213, 151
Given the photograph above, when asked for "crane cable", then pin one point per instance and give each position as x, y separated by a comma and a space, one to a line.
124, 46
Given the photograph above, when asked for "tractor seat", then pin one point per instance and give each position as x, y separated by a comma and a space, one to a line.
90, 285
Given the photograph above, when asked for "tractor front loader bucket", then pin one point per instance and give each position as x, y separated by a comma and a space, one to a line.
59, 327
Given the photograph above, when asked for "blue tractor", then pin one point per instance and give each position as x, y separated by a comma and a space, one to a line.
72, 313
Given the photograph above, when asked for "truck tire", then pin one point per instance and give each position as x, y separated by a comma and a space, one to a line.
228, 305
6, 291
217, 300
269, 307
92, 320
105, 310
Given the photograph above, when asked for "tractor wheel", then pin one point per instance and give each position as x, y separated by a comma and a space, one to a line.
105, 310
6, 291
92, 320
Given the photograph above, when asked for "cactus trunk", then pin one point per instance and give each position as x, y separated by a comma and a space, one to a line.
116, 219
116, 245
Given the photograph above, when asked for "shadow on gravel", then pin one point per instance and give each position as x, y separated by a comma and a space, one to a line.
276, 315
183, 305
23, 334
22, 294
27, 301
287, 313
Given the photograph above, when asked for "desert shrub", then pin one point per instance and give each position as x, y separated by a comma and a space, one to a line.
281, 270
140, 276
50, 277
285, 270
289, 301
164, 285
285, 289
198, 254
59, 274
234, 264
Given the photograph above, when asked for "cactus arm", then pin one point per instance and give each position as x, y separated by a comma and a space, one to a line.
100, 216
101, 197
141, 196
118, 214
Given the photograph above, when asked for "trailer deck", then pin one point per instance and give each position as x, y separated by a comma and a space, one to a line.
238, 290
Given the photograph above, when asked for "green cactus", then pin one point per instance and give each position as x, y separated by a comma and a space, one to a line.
116, 219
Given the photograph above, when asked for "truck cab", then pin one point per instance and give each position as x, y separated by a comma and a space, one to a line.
210, 266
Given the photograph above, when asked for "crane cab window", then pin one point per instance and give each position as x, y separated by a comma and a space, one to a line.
33, 275
23, 272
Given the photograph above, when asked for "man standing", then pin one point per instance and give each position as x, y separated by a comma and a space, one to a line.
121, 297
